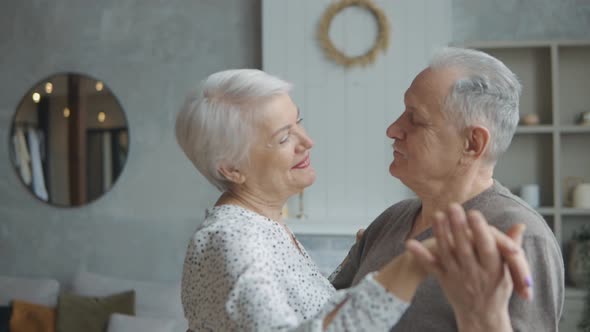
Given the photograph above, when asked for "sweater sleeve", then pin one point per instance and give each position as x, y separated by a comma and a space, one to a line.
255, 305
544, 312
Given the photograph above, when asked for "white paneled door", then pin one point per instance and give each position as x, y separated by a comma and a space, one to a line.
347, 111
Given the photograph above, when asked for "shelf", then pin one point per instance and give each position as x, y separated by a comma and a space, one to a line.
547, 129
532, 65
575, 292
546, 211
575, 129
542, 129
529, 159
523, 43
574, 79
575, 212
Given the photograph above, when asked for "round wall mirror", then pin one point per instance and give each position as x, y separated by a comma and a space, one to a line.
69, 139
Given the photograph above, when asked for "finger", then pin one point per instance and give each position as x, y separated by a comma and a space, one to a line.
517, 263
485, 245
506, 243
464, 253
516, 233
505, 285
359, 234
442, 235
426, 260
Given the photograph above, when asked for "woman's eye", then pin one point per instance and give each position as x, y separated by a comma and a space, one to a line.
284, 139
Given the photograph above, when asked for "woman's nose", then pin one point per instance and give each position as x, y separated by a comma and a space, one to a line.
305, 142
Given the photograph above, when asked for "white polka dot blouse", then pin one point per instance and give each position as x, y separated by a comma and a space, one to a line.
243, 272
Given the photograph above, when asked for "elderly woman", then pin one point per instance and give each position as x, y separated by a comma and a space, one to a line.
244, 269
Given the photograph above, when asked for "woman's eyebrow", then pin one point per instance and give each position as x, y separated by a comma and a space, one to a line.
281, 129
287, 126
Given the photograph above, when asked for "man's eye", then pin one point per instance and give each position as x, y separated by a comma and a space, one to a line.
299, 120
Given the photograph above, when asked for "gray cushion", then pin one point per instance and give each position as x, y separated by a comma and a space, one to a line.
125, 323
38, 291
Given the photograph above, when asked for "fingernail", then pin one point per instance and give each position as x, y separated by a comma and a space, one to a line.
528, 281
530, 294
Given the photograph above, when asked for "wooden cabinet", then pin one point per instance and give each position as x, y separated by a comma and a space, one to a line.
556, 86
556, 152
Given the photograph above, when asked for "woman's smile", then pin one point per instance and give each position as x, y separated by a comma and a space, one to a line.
303, 164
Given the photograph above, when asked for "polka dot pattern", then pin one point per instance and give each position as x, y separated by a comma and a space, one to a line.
242, 272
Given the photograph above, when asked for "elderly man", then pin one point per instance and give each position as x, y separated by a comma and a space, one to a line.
460, 115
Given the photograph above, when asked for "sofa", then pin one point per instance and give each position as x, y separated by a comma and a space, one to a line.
93, 302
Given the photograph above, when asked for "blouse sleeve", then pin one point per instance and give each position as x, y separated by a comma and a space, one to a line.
257, 303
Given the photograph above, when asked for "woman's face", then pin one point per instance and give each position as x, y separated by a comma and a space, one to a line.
280, 163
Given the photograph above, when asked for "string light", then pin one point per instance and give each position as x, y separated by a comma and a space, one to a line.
66, 112
99, 86
48, 87
36, 97
101, 116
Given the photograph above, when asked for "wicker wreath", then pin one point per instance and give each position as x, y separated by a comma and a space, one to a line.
381, 43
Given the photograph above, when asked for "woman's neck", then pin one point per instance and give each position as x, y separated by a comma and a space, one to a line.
270, 209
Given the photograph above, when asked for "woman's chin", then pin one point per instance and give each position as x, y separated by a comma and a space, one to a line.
308, 179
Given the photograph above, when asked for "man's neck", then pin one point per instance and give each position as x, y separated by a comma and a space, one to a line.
439, 197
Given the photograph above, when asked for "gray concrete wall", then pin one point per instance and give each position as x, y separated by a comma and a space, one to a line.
520, 19
149, 53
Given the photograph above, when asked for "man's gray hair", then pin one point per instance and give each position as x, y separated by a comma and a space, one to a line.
487, 93
216, 124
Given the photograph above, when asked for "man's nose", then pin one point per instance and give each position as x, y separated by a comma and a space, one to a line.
395, 130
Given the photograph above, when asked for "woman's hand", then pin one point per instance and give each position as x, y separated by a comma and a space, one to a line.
509, 246
469, 265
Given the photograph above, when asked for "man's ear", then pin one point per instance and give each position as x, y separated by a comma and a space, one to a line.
477, 141
232, 174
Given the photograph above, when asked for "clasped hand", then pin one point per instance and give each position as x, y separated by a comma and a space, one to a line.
476, 265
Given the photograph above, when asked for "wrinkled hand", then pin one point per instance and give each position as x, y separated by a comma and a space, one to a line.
470, 260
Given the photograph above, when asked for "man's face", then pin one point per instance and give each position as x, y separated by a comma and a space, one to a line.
428, 146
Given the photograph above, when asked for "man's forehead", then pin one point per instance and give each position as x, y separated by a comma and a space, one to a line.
432, 85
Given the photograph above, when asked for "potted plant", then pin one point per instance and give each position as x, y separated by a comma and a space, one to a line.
579, 258
584, 324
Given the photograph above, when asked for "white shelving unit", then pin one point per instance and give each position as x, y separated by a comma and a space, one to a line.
556, 86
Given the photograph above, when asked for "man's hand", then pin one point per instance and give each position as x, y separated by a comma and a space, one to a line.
470, 260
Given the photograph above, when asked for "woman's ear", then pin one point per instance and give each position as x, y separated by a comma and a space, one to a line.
232, 174
477, 139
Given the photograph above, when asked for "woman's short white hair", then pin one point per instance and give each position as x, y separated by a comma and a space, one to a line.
487, 94
216, 124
